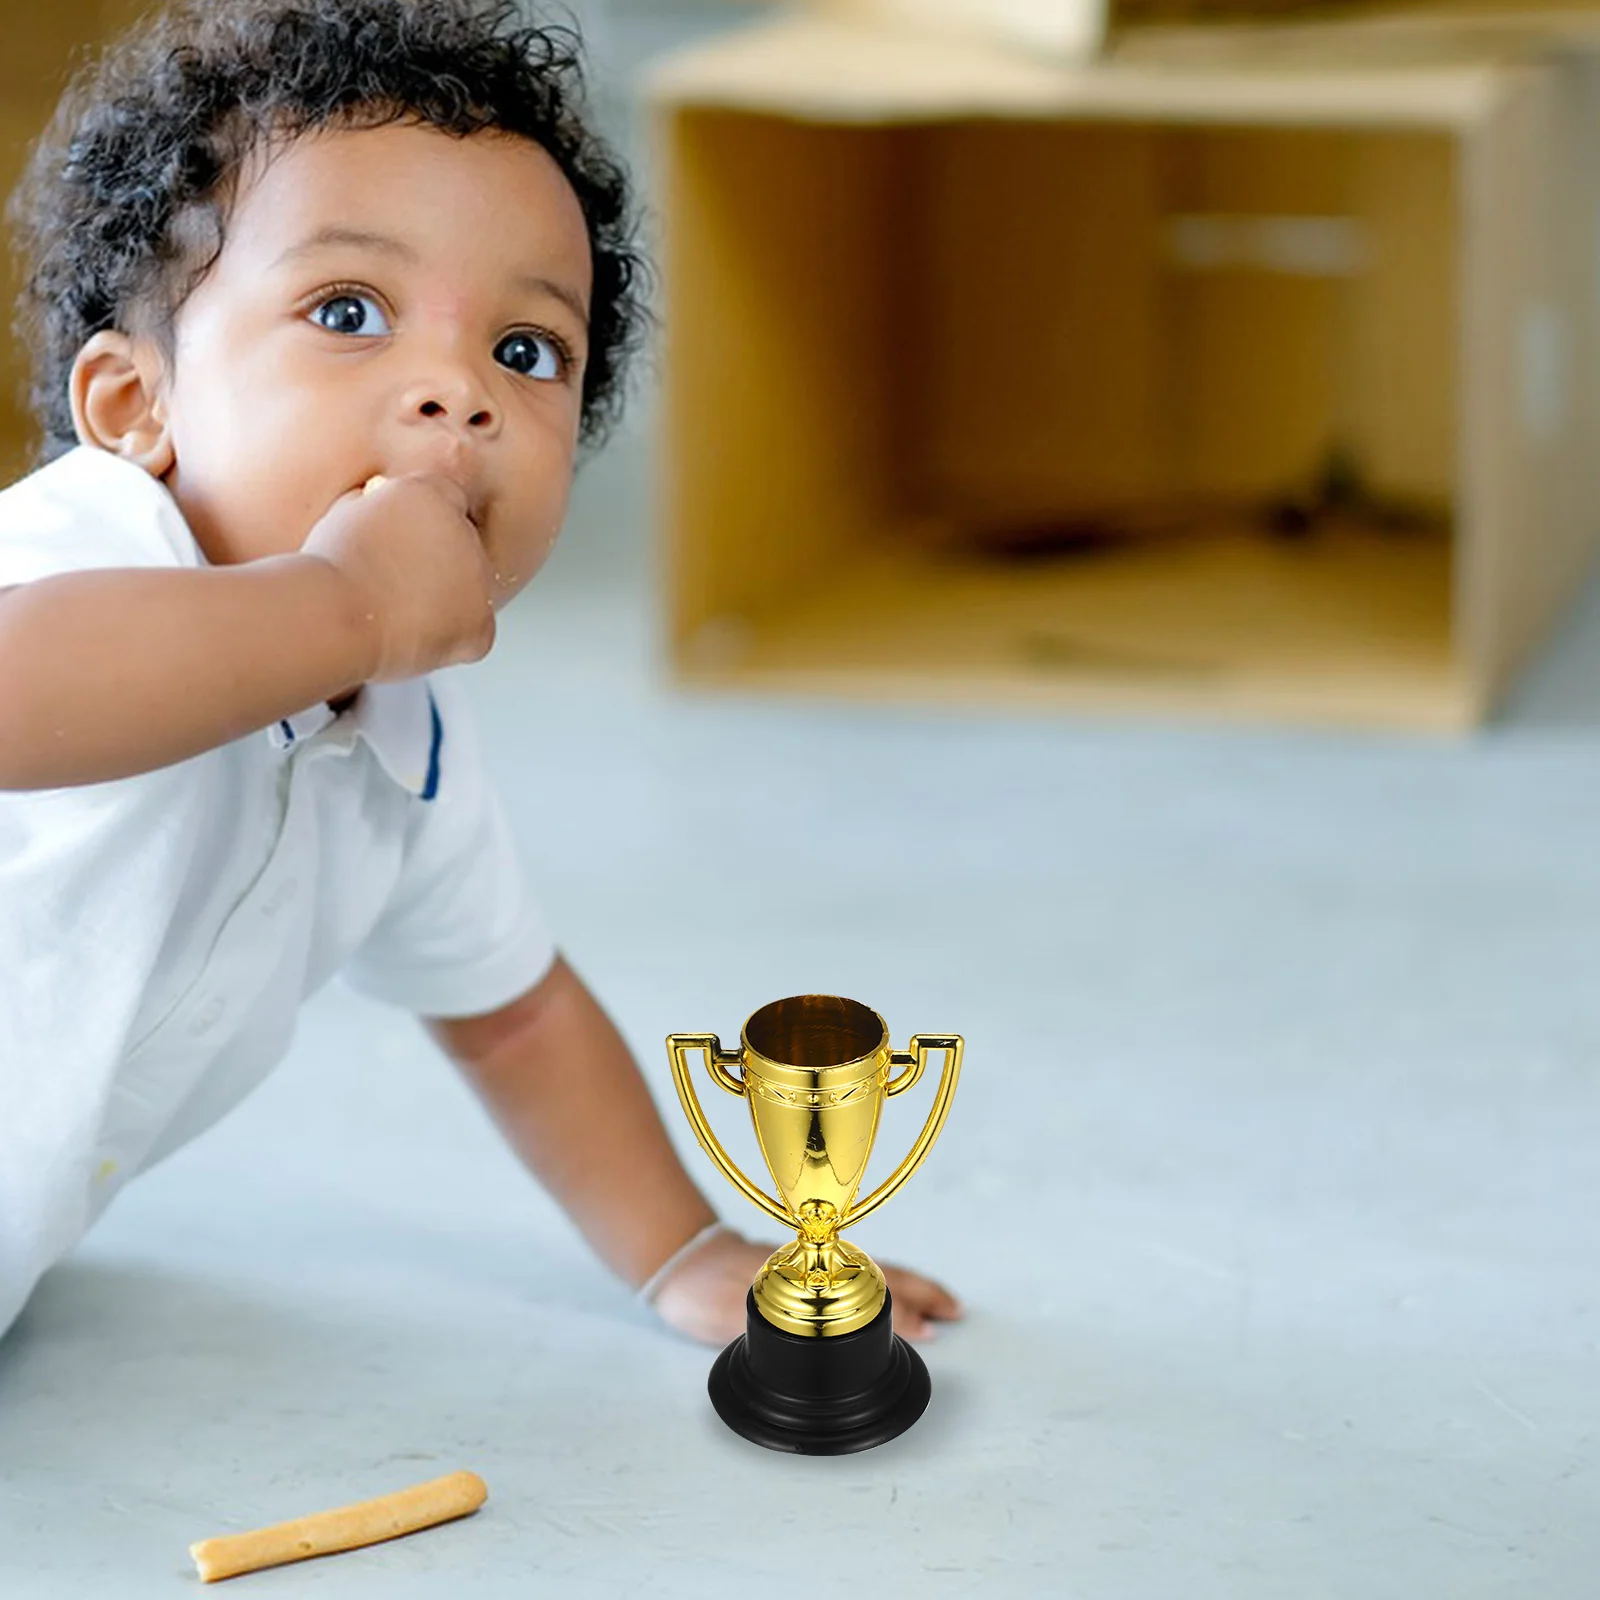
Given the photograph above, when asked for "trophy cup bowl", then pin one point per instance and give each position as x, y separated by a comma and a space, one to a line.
819, 1369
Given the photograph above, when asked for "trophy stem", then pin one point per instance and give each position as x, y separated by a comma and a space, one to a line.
819, 1397
819, 1289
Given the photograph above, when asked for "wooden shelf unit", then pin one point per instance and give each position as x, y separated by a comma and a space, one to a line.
916, 289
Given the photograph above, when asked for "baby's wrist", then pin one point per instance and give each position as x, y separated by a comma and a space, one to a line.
354, 620
658, 1280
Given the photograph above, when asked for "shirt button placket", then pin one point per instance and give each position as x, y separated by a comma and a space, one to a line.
208, 1016
280, 897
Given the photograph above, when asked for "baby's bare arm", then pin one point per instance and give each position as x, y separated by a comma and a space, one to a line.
110, 673
565, 1091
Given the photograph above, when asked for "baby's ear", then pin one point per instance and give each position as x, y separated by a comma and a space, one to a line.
117, 402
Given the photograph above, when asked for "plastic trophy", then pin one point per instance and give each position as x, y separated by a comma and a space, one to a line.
819, 1369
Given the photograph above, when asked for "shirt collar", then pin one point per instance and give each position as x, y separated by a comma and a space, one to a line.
399, 721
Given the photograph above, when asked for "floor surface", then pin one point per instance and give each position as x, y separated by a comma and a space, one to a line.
1272, 1182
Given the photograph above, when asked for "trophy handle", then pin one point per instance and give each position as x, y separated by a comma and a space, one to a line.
922, 1046
718, 1063
915, 1064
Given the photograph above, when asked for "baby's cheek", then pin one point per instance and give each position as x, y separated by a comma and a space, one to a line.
516, 569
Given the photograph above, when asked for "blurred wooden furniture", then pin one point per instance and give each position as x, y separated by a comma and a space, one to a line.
1083, 28
1237, 388
38, 44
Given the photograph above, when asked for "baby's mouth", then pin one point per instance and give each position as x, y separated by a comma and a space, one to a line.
477, 510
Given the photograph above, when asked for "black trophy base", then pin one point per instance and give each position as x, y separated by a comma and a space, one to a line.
819, 1397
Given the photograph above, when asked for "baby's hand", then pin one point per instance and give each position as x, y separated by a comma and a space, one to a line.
704, 1298
417, 569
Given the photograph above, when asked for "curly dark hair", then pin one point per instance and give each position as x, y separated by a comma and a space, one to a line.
124, 206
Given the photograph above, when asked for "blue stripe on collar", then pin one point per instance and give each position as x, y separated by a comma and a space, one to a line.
400, 723
431, 787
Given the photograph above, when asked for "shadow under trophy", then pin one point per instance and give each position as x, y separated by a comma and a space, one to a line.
819, 1369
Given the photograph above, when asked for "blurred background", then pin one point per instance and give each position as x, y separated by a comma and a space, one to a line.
1099, 561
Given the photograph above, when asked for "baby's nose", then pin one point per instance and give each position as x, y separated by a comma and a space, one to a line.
482, 417
451, 397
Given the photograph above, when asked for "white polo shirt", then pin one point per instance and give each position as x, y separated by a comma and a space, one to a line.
158, 933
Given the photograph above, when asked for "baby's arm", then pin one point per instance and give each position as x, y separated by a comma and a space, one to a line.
106, 674
563, 1086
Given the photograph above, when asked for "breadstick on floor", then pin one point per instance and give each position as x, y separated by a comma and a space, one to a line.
350, 1527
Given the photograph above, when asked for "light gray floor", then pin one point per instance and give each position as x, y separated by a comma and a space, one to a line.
1272, 1180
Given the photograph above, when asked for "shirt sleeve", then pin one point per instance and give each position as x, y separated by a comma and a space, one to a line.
460, 935
86, 511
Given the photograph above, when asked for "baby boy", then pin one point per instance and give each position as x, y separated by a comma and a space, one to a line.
323, 297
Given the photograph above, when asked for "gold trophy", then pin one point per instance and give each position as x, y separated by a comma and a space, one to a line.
819, 1369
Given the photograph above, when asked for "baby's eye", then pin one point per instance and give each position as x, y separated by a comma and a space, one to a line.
534, 355
356, 314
